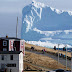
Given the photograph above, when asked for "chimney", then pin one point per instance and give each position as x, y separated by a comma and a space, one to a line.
6, 36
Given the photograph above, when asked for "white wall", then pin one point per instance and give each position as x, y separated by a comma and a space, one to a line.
20, 62
17, 59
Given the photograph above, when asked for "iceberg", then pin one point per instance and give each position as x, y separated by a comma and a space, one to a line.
44, 24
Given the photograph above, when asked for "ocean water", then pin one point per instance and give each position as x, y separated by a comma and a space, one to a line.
68, 49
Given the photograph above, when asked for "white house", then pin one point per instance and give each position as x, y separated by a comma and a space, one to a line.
11, 61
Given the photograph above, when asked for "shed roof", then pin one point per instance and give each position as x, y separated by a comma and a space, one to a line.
10, 38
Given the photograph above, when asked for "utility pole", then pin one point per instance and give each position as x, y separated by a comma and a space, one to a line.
71, 59
58, 54
17, 28
66, 57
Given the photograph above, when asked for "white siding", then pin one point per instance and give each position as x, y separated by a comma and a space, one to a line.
17, 59
21, 62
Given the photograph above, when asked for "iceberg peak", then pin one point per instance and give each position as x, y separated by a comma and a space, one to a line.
37, 4
42, 5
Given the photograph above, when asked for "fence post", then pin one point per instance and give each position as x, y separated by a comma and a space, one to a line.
58, 54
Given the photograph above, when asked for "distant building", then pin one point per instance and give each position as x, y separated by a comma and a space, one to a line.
11, 61
12, 44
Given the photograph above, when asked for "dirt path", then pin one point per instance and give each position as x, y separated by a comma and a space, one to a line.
39, 48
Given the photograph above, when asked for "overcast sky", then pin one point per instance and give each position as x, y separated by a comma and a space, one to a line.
13, 6
10, 9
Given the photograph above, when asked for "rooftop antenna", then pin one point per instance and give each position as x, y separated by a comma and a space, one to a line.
17, 28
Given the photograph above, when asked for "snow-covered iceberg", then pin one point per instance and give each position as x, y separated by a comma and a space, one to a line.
46, 26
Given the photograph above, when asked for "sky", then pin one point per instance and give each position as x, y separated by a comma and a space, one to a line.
10, 9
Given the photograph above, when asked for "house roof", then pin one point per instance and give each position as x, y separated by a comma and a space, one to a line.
10, 38
10, 52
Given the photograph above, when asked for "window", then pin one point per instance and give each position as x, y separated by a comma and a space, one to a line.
3, 66
4, 49
11, 65
4, 43
22, 43
11, 43
2, 57
11, 57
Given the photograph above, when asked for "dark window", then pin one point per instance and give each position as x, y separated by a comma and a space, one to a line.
4, 43
4, 49
11, 57
11, 65
8, 65
2, 57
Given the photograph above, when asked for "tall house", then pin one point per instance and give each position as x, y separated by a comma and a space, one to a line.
12, 44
